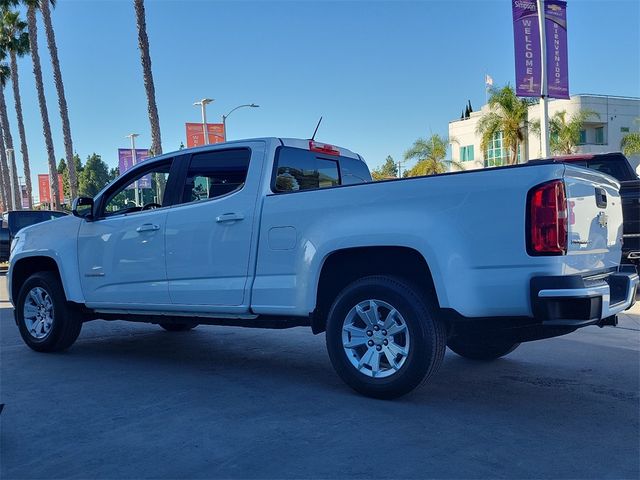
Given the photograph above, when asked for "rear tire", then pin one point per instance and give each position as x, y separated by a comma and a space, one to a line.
178, 327
376, 352
47, 322
481, 348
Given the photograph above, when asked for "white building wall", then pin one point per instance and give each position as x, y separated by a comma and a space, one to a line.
463, 133
615, 115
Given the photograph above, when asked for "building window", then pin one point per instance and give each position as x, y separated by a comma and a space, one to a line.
583, 137
466, 153
599, 135
495, 155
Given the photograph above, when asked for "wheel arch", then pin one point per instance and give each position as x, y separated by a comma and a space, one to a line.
23, 268
341, 267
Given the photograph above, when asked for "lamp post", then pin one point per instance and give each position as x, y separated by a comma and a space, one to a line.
134, 160
203, 106
544, 107
224, 117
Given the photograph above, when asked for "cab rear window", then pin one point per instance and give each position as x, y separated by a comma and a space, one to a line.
298, 169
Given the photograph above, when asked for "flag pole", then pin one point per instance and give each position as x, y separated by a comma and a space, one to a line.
486, 89
544, 107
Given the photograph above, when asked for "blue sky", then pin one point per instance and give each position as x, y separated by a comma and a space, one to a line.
382, 73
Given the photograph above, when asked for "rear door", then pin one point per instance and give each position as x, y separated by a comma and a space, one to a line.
209, 233
595, 220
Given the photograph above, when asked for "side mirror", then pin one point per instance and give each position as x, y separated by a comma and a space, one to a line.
83, 207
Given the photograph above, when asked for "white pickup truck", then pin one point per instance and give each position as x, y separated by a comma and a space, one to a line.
278, 233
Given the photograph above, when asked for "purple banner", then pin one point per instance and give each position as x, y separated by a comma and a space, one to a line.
126, 161
557, 61
527, 48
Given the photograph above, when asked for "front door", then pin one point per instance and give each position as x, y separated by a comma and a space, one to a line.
209, 235
121, 253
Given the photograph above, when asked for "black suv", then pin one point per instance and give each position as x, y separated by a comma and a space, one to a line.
13, 221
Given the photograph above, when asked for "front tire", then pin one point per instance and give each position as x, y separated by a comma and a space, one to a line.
482, 349
47, 322
382, 337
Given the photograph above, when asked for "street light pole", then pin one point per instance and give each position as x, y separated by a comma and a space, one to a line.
544, 106
203, 106
224, 117
134, 160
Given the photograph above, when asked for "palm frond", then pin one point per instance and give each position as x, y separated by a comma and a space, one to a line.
630, 144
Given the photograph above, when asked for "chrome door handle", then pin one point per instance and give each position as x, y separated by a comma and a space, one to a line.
229, 217
147, 227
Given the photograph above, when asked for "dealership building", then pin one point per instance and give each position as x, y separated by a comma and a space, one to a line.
616, 116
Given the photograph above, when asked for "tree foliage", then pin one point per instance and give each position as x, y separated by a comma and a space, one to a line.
630, 144
93, 177
564, 133
507, 114
63, 168
430, 154
389, 169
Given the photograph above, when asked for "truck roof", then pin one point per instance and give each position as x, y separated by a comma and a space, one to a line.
287, 142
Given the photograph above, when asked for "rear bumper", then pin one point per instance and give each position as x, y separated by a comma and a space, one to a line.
576, 301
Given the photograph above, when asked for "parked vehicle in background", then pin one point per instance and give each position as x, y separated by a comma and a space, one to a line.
15, 220
617, 165
277, 233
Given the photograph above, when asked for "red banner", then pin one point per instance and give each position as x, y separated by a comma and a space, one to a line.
44, 188
195, 133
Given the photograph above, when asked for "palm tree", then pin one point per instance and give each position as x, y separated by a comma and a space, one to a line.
5, 187
62, 100
145, 57
15, 39
630, 143
564, 134
507, 114
32, 5
430, 154
150, 89
8, 175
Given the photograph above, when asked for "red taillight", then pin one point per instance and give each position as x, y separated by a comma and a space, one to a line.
548, 218
323, 148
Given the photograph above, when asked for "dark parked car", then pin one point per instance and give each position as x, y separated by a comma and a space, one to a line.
13, 221
617, 165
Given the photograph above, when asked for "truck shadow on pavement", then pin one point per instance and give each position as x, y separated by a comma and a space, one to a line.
235, 400
295, 359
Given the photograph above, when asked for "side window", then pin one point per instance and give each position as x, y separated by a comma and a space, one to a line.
611, 167
298, 169
217, 173
145, 191
354, 171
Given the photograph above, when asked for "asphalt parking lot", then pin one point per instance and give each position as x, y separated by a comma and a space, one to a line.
134, 401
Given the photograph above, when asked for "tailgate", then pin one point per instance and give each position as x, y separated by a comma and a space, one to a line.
595, 220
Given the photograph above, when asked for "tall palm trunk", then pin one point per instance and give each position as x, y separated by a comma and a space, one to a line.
143, 44
23, 138
10, 173
4, 176
145, 56
62, 100
46, 127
